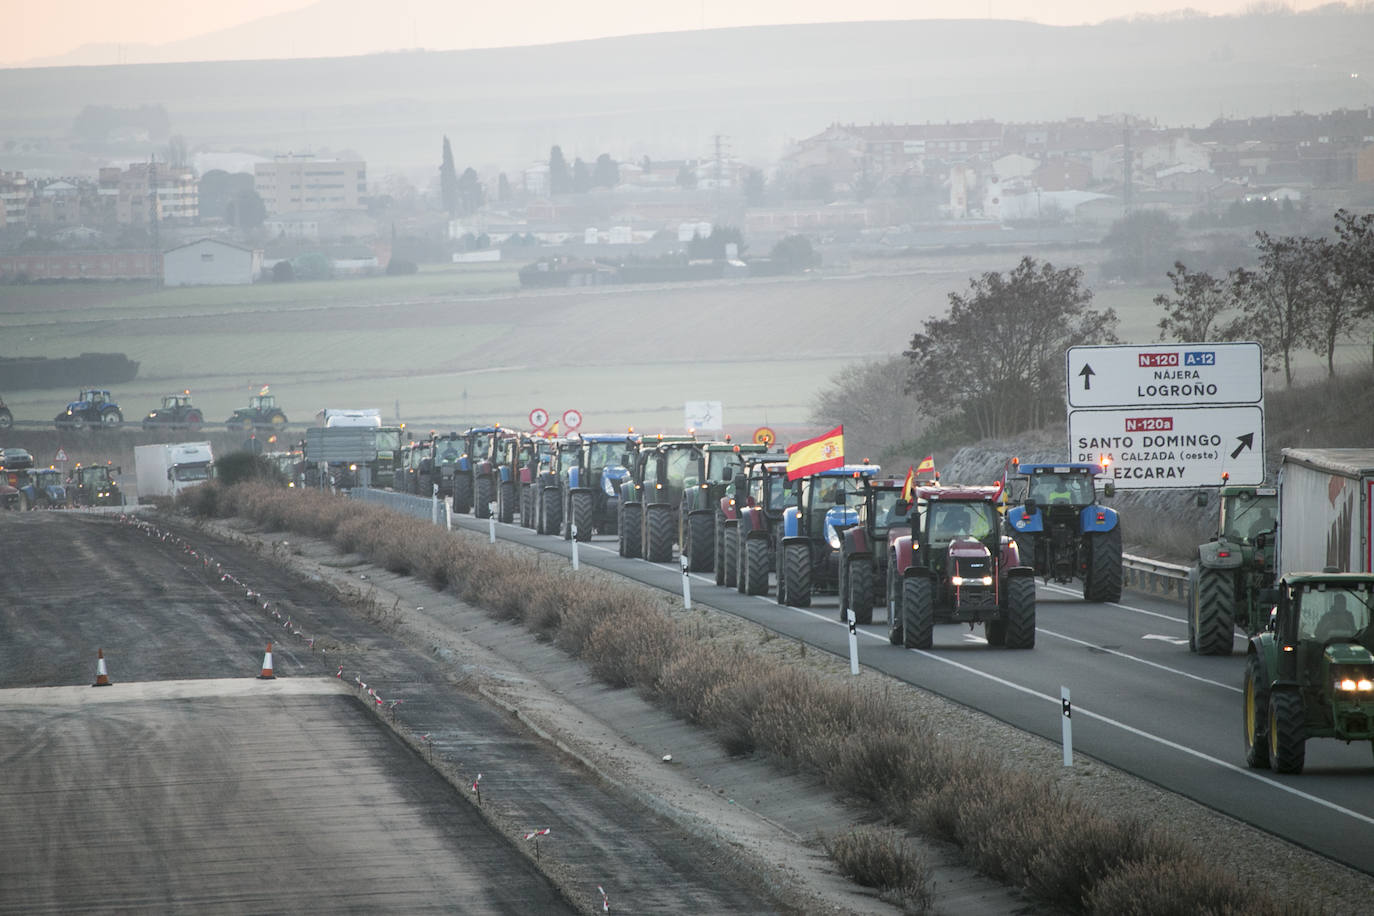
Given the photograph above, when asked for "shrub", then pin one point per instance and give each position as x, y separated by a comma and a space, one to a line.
397, 267
883, 858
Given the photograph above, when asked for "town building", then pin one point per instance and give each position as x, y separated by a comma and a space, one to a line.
210, 262
294, 183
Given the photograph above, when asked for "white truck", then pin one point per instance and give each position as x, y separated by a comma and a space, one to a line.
168, 468
1326, 497
332, 417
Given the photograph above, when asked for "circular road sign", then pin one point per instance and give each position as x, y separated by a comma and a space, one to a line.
765, 436
572, 419
539, 418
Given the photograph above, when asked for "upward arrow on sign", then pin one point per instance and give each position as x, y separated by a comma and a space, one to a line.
1087, 373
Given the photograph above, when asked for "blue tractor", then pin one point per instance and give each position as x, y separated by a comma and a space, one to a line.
1063, 533
808, 560
592, 469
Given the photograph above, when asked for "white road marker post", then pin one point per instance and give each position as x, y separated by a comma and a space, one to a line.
574, 545
686, 584
491, 521
853, 641
1068, 725
448, 511
434, 507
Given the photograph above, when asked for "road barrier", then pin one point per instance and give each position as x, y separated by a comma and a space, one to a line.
1155, 576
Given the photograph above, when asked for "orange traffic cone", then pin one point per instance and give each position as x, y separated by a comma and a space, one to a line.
267, 665
102, 677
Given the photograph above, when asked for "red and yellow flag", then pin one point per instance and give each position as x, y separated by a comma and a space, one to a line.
811, 456
553, 431
909, 487
927, 465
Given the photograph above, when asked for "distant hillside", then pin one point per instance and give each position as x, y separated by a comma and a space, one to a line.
665, 95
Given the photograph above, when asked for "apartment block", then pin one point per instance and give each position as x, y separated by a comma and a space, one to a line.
290, 184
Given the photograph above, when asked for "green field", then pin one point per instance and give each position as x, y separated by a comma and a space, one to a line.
449, 347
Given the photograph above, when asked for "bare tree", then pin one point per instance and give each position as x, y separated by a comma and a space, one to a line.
1195, 310
868, 398
1276, 297
1355, 255
997, 357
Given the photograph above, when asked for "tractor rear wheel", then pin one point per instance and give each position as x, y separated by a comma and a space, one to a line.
462, 493
730, 574
796, 569
859, 582
720, 548
658, 534
756, 566
628, 528
6, 418
1287, 732
553, 510
700, 530
1214, 606
481, 503
580, 512
194, 421
505, 502
918, 613
1020, 623
1104, 566
894, 603
1189, 601
1256, 715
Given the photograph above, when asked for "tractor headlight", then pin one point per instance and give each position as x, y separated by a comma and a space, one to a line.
970, 580
832, 537
1355, 685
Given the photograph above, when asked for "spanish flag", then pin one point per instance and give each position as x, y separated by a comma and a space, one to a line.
909, 487
553, 431
811, 456
927, 465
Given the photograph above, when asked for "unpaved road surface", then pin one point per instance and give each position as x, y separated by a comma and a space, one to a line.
217, 796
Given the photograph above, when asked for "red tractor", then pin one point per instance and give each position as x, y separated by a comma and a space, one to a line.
958, 566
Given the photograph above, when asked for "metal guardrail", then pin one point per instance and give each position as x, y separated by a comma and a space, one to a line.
419, 506
1155, 576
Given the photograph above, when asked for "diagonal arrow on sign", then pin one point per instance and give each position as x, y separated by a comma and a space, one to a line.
1246, 441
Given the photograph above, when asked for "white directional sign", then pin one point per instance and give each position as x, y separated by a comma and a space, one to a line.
1183, 375
703, 415
1172, 446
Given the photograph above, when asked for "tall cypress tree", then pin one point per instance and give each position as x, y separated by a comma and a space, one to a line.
448, 182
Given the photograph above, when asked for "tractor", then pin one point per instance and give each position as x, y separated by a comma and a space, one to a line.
490, 474
808, 554
474, 490
1232, 569
95, 486
863, 548
651, 497
536, 452
92, 407
546, 488
591, 471
43, 488
956, 566
717, 464
15, 465
262, 412
509, 455
1310, 673
748, 522
1063, 533
176, 412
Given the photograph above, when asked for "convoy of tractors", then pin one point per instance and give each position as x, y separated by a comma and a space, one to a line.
1288, 571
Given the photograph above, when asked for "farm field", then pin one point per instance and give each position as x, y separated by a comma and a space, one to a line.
452, 347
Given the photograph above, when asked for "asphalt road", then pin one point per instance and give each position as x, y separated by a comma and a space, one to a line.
192, 786
1140, 700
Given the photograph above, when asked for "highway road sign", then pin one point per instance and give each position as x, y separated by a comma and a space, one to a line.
703, 415
539, 418
572, 419
1172, 447
764, 435
1184, 375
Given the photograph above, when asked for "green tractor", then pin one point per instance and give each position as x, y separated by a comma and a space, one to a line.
262, 412
1310, 673
712, 480
651, 497
1232, 569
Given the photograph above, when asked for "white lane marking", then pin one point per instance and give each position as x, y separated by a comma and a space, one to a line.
1176, 640
1172, 745
1050, 586
1136, 658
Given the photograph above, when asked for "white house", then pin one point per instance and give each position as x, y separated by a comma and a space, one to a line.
210, 262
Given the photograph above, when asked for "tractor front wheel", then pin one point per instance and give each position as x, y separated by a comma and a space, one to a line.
505, 502
918, 613
730, 574
699, 530
481, 503
580, 513
629, 530
1020, 622
1256, 719
1287, 732
756, 566
658, 534
796, 570
462, 493
859, 583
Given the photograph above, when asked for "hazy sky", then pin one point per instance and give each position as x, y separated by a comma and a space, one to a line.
56, 26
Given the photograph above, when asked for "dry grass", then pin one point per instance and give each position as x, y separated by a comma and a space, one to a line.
1013, 825
883, 858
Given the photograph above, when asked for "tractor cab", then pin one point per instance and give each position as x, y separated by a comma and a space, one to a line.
1062, 531
1247, 513
95, 486
262, 403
